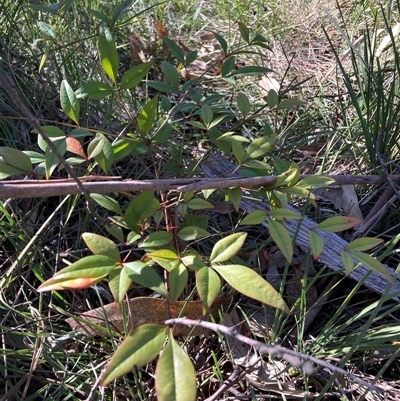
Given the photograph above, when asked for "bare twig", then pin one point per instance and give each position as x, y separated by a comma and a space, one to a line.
297, 359
60, 187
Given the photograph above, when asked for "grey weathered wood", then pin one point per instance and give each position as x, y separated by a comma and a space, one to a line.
218, 166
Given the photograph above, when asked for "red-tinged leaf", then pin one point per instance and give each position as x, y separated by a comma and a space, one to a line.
317, 244
364, 244
348, 262
93, 267
251, 284
175, 375
338, 223
55, 284
208, 286
281, 237
138, 349
227, 247
75, 147
100, 245
254, 217
177, 280
119, 283
373, 264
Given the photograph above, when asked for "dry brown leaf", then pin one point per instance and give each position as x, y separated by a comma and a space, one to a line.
143, 310
207, 36
137, 47
268, 82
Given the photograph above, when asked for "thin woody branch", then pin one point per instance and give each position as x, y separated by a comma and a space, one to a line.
297, 359
42, 188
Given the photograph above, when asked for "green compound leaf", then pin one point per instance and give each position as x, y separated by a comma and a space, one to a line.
338, 223
235, 196
254, 217
251, 284
107, 202
145, 275
348, 262
100, 245
171, 74
81, 274
119, 283
138, 349
69, 101
147, 116
281, 237
135, 75
208, 286
94, 90
373, 264
108, 53
175, 375
317, 244
158, 239
227, 247
191, 233
177, 280
363, 244
284, 214
16, 158
243, 104
199, 204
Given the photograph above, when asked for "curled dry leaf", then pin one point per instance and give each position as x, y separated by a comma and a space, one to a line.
143, 310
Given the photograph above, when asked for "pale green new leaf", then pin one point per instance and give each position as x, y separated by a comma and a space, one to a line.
100, 245
251, 284
175, 375
138, 349
315, 182
227, 247
281, 237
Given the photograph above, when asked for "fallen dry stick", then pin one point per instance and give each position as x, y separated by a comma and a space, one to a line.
18, 189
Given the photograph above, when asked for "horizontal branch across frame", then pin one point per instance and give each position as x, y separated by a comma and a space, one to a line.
18, 189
